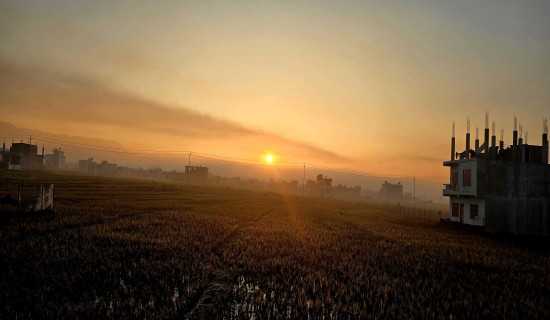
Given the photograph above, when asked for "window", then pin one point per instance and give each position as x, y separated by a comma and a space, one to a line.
455, 210
467, 177
474, 209
454, 180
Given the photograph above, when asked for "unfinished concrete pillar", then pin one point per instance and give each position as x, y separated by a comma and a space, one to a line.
486, 135
468, 139
544, 141
477, 141
467, 145
453, 143
515, 158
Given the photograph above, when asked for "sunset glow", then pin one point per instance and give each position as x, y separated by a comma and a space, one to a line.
365, 86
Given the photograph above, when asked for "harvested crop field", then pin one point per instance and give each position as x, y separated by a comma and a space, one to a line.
142, 249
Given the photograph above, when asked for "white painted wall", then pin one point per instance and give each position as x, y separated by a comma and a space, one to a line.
465, 165
467, 201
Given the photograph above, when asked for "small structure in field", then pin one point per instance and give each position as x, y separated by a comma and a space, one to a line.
27, 197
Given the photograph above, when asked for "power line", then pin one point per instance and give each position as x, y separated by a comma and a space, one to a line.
215, 157
371, 175
115, 150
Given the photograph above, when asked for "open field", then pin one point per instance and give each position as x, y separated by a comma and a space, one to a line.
141, 249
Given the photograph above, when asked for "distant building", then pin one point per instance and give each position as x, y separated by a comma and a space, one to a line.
391, 192
367, 193
56, 160
341, 191
311, 187
104, 168
88, 166
107, 169
501, 189
325, 186
197, 173
22, 156
284, 186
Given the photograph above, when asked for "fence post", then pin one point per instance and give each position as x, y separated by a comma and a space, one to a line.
19, 192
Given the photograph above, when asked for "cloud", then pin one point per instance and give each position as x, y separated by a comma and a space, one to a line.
59, 98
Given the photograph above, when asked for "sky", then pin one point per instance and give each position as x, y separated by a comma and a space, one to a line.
371, 86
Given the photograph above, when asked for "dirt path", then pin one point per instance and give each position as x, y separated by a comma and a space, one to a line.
222, 280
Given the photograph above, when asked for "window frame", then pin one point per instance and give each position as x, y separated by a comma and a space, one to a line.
472, 206
455, 209
467, 178
454, 179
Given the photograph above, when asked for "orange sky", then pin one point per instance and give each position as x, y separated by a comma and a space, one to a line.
364, 85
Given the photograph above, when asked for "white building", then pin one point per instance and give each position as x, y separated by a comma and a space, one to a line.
466, 205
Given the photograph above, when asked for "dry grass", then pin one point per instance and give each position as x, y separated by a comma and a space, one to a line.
138, 249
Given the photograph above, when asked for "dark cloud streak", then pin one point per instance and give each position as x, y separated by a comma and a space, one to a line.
30, 91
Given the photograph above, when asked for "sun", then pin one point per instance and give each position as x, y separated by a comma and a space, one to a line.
269, 159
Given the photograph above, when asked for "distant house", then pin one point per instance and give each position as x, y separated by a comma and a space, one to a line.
55, 160
197, 173
104, 168
501, 189
107, 169
22, 156
341, 191
88, 165
391, 192
325, 186
284, 186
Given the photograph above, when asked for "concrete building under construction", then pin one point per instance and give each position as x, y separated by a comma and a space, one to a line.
21, 156
501, 188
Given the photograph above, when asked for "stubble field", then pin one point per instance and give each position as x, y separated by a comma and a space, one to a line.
140, 249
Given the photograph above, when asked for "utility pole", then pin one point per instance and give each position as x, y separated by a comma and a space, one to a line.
304, 182
414, 188
30, 150
189, 168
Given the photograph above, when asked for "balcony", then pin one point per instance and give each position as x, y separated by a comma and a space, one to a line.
458, 190
449, 190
